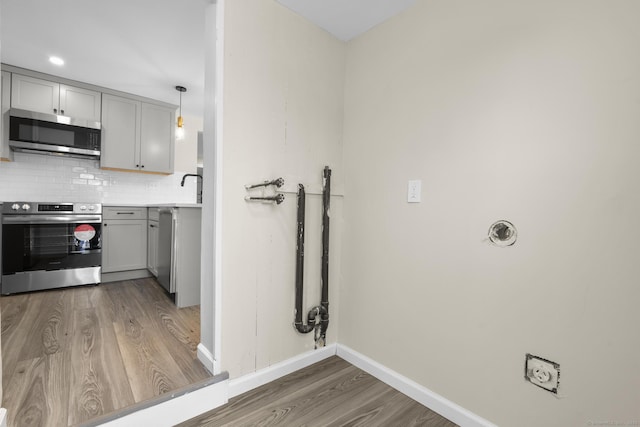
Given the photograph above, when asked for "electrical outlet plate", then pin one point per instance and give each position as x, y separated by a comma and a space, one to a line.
542, 372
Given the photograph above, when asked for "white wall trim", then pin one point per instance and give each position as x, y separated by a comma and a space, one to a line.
219, 139
3, 417
423, 395
205, 356
176, 410
263, 376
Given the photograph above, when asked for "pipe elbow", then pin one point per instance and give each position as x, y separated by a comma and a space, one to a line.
302, 328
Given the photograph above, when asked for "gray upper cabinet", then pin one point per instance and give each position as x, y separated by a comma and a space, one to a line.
80, 103
120, 133
157, 138
43, 96
137, 135
5, 153
28, 93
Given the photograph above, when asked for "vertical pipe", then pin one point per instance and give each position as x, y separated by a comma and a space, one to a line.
326, 200
297, 323
300, 255
324, 300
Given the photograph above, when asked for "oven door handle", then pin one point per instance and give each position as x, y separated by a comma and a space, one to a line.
51, 219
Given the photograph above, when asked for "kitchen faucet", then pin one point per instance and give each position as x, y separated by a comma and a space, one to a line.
197, 175
189, 174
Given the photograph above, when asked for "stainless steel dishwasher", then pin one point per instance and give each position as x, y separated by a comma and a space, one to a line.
166, 249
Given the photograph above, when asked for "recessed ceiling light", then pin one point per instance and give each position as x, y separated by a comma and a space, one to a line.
56, 61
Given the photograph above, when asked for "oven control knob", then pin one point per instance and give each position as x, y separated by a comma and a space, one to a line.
83, 208
92, 208
26, 207
15, 206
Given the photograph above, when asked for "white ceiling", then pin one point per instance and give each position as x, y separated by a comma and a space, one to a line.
347, 19
146, 47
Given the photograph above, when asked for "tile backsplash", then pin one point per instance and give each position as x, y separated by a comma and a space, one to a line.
42, 178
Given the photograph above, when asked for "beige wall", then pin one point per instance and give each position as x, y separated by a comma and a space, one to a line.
525, 111
283, 111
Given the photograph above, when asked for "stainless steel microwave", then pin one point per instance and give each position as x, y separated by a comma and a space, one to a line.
35, 132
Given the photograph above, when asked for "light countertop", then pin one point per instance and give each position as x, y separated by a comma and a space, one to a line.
153, 205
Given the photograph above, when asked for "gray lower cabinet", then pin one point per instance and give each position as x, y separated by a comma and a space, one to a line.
152, 242
124, 239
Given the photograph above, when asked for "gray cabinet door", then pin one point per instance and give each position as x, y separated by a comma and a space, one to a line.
80, 103
120, 133
124, 245
157, 139
28, 93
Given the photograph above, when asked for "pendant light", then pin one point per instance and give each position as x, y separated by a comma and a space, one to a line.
180, 128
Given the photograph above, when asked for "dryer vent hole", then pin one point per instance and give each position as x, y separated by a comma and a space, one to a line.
502, 233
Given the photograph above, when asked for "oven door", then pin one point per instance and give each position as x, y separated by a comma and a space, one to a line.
50, 251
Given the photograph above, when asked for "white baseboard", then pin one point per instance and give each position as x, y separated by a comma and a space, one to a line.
177, 410
3, 417
263, 376
205, 356
423, 395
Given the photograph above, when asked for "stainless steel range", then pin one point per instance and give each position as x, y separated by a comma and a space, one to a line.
50, 245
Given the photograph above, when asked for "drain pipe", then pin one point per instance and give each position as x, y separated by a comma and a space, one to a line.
318, 316
324, 300
301, 327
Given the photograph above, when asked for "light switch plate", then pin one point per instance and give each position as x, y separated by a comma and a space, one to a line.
414, 188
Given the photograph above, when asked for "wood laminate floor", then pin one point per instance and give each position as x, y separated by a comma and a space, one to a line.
329, 393
70, 355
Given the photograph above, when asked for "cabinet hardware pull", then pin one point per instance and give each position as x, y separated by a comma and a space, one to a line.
61, 111
125, 213
55, 110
